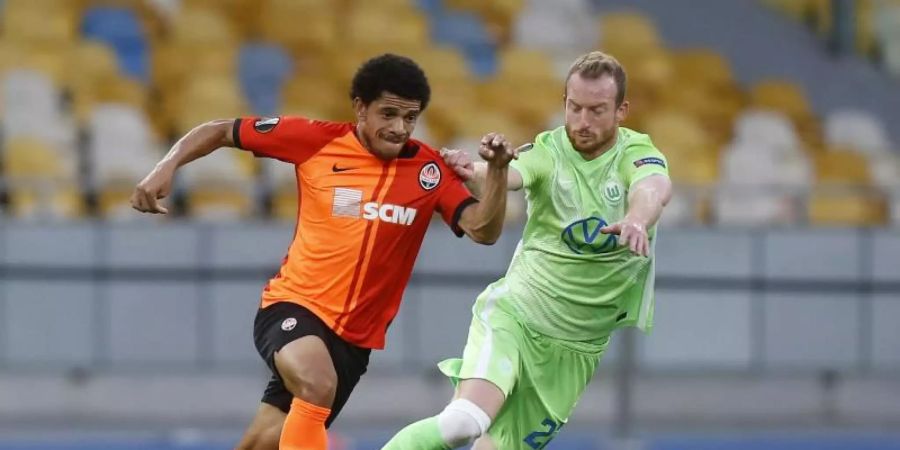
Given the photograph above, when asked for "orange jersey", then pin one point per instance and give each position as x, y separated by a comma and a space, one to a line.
360, 222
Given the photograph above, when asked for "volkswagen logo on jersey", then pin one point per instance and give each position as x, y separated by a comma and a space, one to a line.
584, 236
429, 176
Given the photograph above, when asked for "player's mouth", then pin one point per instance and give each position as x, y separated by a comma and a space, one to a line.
393, 139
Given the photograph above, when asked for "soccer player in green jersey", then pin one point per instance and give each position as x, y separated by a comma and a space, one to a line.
583, 268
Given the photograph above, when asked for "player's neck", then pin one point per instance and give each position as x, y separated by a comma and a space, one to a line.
600, 151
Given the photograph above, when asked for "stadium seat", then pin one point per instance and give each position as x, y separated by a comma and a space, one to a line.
263, 70
27, 158
841, 167
743, 206
783, 96
365, 28
122, 30
285, 202
202, 27
321, 97
43, 202
207, 98
32, 108
628, 32
300, 26
467, 32
220, 203
858, 130
846, 209
38, 24
770, 128
121, 144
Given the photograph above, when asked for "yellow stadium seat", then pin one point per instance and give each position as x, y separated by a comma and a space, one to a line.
300, 25
202, 27
544, 99
316, 95
781, 95
478, 123
691, 153
846, 209
451, 103
842, 167
33, 24
175, 64
12, 55
27, 158
628, 32
51, 60
523, 64
702, 66
219, 202
207, 99
389, 5
442, 63
366, 28
63, 201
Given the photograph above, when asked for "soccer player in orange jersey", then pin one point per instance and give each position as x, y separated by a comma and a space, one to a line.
368, 192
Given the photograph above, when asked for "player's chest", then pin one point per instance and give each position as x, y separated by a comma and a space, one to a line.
399, 192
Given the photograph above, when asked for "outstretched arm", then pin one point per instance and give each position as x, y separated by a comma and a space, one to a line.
483, 222
645, 204
197, 143
474, 173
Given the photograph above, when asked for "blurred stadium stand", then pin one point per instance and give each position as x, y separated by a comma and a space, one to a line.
780, 118
77, 73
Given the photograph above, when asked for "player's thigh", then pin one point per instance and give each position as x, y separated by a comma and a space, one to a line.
265, 429
307, 370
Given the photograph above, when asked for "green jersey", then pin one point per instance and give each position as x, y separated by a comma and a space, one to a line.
567, 280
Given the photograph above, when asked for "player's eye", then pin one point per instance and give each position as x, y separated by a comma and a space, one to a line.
412, 117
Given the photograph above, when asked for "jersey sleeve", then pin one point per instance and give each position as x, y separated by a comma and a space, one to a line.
535, 164
453, 198
290, 138
643, 159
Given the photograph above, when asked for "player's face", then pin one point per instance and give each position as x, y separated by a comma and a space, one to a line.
592, 116
387, 123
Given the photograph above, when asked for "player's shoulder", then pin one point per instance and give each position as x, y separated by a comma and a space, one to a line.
422, 150
323, 126
636, 142
427, 157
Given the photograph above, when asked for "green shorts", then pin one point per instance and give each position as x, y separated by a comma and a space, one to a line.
541, 377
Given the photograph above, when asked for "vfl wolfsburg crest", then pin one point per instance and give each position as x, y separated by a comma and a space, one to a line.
613, 192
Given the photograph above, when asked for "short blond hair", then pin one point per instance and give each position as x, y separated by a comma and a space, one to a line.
595, 64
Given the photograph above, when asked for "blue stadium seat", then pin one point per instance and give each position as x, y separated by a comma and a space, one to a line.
263, 69
121, 29
431, 7
467, 32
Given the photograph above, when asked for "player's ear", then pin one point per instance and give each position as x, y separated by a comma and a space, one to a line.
359, 109
622, 112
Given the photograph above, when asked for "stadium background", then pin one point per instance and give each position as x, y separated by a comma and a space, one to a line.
779, 258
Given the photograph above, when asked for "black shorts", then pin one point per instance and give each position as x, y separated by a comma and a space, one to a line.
350, 361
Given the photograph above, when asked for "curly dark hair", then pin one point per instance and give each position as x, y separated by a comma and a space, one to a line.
396, 74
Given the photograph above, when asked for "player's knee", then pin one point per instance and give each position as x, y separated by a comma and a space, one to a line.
462, 422
312, 384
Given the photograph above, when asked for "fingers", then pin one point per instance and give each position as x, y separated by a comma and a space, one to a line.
612, 229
